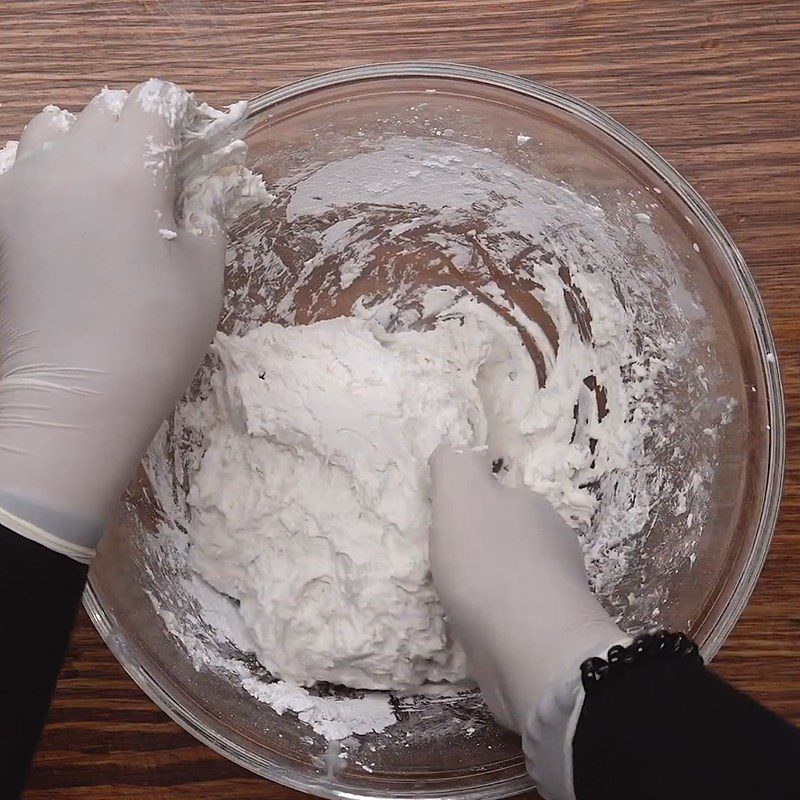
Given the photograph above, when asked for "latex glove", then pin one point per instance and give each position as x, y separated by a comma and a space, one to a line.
512, 581
107, 309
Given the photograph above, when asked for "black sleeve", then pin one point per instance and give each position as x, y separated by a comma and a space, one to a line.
667, 729
39, 596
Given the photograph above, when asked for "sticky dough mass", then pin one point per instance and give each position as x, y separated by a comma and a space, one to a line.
311, 503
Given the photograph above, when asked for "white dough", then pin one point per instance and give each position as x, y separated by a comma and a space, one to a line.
311, 503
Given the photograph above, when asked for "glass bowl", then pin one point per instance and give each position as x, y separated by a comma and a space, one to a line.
691, 562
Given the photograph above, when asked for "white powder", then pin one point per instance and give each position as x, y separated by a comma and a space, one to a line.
8, 155
114, 100
62, 119
221, 188
169, 101
331, 717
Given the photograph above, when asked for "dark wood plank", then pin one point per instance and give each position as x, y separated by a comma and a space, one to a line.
713, 85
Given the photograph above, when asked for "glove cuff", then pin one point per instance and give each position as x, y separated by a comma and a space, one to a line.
550, 729
51, 530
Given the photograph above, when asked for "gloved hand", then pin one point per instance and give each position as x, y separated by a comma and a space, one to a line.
107, 309
511, 578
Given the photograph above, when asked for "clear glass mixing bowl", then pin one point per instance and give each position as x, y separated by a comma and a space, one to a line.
698, 571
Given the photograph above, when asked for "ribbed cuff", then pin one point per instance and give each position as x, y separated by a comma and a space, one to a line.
76, 552
550, 729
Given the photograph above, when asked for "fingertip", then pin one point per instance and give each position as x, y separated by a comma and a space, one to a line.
47, 126
158, 107
150, 127
216, 243
102, 111
113, 99
60, 119
109, 102
207, 248
459, 466
439, 460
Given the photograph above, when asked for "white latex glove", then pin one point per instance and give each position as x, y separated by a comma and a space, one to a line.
107, 309
511, 578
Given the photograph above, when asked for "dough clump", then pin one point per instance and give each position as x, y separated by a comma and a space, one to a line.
310, 505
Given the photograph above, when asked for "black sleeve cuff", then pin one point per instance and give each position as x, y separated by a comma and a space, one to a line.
40, 592
666, 728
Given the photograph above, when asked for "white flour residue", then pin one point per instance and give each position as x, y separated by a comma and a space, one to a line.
416, 237
213, 634
332, 717
114, 100
61, 118
168, 100
221, 188
8, 155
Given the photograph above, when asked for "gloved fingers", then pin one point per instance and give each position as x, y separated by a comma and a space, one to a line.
100, 113
206, 250
204, 256
493, 697
46, 127
457, 475
150, 128
462, 487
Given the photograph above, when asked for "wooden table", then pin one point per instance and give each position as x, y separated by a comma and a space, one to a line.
713, 85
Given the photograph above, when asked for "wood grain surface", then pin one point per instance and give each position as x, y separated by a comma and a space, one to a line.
713, 85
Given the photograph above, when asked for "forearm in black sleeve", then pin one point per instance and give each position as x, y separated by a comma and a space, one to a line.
39, 596
664, 729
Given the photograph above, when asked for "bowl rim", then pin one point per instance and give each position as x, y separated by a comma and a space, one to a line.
744, 586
